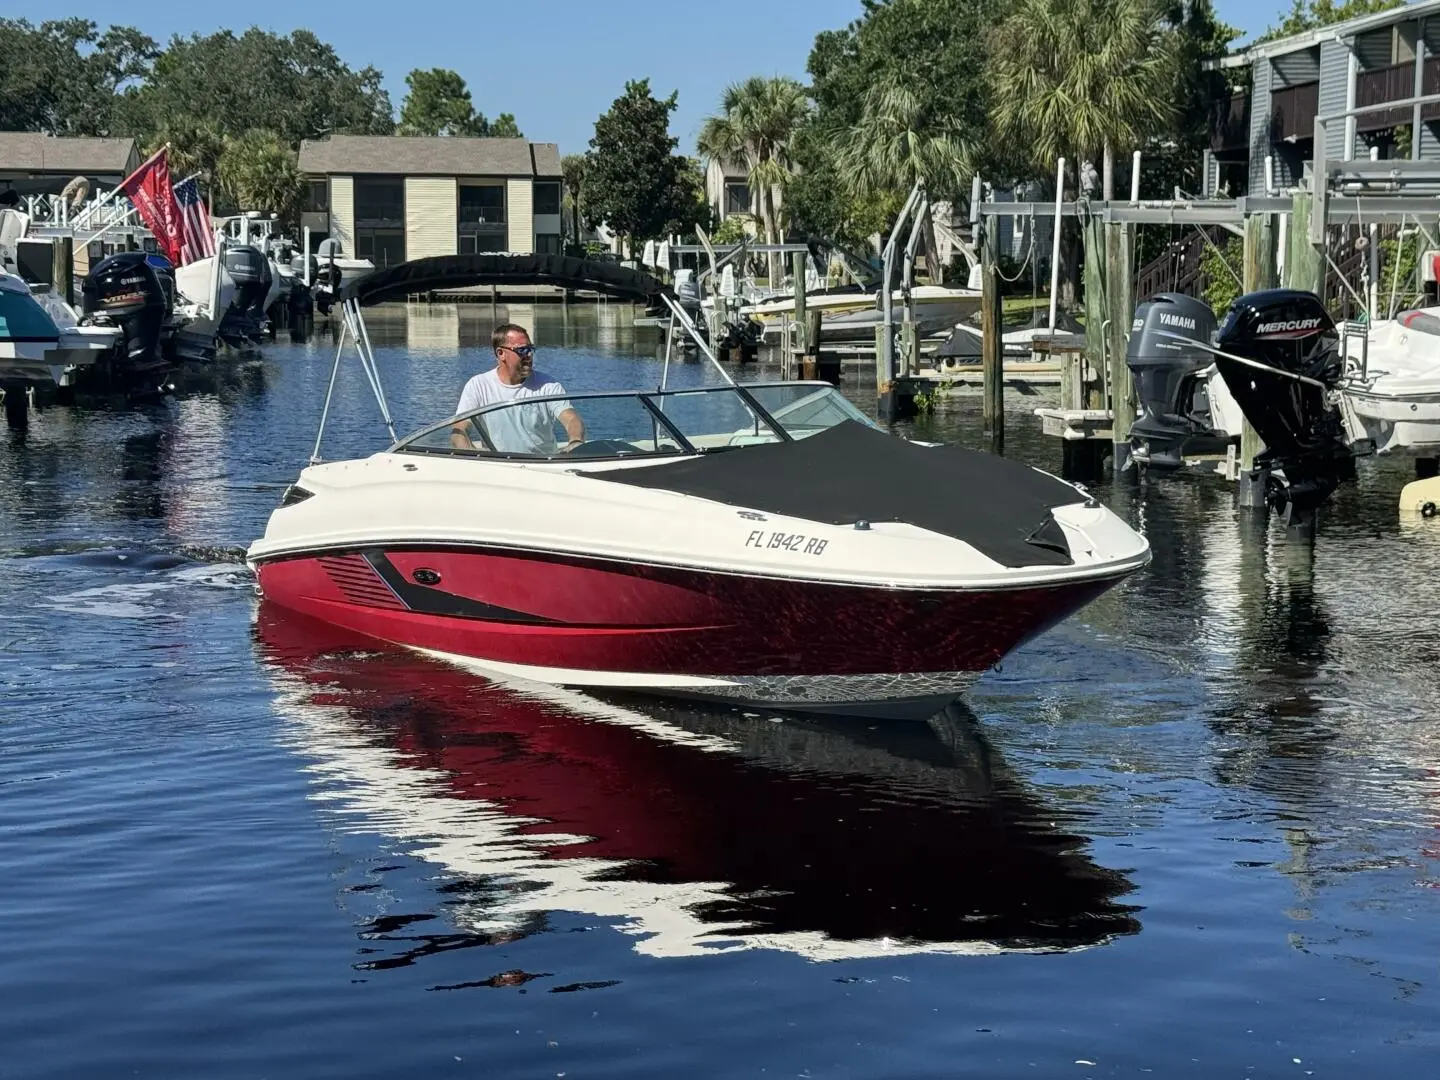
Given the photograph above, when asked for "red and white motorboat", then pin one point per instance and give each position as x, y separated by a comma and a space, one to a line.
760, 544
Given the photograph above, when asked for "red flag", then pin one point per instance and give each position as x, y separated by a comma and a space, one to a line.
148, 187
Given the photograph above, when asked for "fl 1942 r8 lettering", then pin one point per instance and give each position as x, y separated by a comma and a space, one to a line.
799, 542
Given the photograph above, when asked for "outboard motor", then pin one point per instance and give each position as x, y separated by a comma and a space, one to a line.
250, 269
326, 278
1283, 366
125, 290
1170, 342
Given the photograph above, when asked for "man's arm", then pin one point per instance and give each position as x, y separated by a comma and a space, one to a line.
460, 433
574, 426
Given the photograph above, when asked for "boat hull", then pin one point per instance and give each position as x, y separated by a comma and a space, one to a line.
578, 621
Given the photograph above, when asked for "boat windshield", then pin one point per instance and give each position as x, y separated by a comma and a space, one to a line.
22, 318
632, 424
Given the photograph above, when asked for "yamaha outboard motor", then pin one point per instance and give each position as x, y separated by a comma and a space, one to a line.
250, 269
125, 290
1283, 365
1169, 347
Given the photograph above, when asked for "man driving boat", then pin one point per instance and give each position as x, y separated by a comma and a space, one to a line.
524, 429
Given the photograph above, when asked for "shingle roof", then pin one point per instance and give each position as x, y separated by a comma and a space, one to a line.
547, 158
423, 155
30, 152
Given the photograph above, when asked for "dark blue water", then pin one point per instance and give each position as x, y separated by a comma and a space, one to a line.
1191, 832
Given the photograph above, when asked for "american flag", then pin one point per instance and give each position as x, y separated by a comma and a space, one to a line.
197, 238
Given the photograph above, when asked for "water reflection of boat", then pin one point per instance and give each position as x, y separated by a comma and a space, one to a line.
697, 830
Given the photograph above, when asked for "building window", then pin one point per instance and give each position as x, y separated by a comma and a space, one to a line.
482, 204
383, 247
379, 199
737, 197
548, 243
547, 198
317, 197
473, 243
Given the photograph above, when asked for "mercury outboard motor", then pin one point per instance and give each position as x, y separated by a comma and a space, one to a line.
1284, 365
250, 269
1169, 348
125, 290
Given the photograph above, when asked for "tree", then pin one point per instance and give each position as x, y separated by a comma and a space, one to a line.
259, 171
1079, 78
634, 182
757, 124
1311, 14
894, 144
437, 102
572, 171
62, 77
933, 53
196, 146
295, 86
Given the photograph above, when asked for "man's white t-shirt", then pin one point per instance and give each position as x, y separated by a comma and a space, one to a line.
523, 429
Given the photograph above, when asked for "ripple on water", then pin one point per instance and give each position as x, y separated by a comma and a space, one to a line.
1191, 830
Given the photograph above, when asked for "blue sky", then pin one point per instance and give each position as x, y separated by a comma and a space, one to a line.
555, 64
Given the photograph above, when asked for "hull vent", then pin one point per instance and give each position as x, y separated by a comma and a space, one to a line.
357, 579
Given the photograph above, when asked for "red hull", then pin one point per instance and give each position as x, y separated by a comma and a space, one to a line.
596, 615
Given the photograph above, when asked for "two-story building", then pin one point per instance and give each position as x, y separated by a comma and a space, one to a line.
395, 198
1389, 56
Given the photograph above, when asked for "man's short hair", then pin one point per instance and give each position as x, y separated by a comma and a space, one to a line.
500, 336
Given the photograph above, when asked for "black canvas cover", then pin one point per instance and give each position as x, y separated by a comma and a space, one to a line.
498, 268
853, 472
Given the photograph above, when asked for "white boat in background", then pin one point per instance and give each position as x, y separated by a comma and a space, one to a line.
1391, 391
42, 343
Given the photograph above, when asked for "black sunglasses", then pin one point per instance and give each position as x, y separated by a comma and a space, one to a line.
522, 351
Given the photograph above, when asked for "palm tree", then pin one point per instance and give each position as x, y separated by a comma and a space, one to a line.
894, 144
757, 123
572, 169
1079, 78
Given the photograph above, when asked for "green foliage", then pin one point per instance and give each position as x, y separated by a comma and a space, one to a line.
196, 146
899, 92
1399, 263
259, 171
295, 86
572, 172
1074, 78
62, 77
896, 142
1311, 14
635, 183
756, 125
731, 230
437, 102
1220, 265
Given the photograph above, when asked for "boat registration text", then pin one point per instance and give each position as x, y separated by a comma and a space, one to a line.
805, 545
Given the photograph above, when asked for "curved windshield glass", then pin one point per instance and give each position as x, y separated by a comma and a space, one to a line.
803, 408
23, 319
658, 423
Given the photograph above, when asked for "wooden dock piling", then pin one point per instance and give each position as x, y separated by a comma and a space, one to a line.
1120, 309
992, 350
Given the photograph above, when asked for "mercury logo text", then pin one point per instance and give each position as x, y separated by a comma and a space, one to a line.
1288, 324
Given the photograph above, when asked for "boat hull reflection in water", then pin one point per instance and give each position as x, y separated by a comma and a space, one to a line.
697, 829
